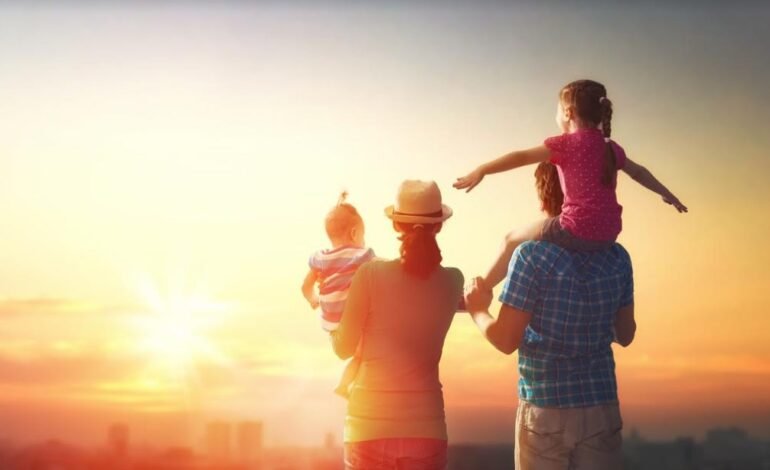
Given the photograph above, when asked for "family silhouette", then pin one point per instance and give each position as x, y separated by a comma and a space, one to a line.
567, 295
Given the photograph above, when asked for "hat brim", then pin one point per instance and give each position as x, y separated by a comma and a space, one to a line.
446, 212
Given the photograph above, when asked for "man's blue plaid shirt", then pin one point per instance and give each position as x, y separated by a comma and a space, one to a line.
565, 357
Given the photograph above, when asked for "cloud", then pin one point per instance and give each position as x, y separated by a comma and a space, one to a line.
45, 306
715, 364
57, 370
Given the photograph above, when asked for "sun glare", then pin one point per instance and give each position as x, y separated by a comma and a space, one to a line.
175, 331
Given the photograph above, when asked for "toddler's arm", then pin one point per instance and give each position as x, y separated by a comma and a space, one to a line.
643, 176
507, 162
308, 288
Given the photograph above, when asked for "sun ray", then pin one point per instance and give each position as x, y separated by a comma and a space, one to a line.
174, 331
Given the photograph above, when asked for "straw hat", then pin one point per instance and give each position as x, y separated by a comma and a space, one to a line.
418, 202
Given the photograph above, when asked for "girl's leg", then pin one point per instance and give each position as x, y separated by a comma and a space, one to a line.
499, 269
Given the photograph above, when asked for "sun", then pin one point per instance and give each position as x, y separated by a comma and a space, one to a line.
175, 330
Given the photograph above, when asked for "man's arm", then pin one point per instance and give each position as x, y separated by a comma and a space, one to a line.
644, 177
308, 288
625, 325
504, 332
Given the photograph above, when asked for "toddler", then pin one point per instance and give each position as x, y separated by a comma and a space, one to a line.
333, 269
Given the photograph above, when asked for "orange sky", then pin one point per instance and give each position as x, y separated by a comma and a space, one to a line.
166, 172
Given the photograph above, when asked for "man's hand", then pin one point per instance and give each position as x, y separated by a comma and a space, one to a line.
477, 297
469, 181
504, 332
674, 201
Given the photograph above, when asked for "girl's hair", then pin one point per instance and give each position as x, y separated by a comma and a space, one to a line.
549, 189
420, 254
588, 100
342, 218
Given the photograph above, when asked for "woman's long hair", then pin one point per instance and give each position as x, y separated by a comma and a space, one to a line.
420, 254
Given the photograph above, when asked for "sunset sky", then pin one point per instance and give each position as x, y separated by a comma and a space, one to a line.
165, 171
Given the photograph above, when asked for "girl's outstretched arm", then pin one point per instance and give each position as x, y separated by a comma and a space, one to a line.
507, 162
643, 176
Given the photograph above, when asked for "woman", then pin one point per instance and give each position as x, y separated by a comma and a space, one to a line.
399, 311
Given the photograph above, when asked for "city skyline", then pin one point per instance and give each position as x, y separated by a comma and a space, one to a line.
722, 448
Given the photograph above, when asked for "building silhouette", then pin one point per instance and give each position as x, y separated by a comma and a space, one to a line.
249, 441
118, 439
330, 442
218, 440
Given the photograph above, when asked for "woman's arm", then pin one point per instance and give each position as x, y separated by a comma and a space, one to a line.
346, 338
308, 289
644, 177
504, 332
507, 162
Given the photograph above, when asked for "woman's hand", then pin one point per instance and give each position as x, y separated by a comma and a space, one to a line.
469, 181
478, 297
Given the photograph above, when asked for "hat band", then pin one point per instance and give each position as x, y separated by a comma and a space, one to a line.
432, 214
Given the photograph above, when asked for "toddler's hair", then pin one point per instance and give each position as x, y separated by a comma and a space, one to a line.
589, 101
342, 218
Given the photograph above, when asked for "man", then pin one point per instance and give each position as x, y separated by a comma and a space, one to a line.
562, 310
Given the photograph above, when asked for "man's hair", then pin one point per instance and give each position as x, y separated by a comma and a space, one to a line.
342, 218
548, 188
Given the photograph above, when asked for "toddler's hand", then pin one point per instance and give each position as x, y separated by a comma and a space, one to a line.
469, 181
676, 203
314, 303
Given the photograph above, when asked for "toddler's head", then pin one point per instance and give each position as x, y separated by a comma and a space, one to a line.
584, 104
344, 225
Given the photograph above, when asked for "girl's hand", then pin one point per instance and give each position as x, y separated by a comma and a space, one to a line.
469, 181
676, 203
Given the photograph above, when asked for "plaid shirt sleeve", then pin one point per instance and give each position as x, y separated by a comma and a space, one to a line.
521, 289
627, 297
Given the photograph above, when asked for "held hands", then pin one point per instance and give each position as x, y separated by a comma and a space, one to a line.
478, 297
674, 201
469, 181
